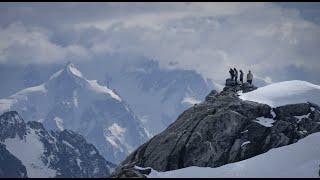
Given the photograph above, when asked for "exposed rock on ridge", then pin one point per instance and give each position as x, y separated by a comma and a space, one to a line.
221, 130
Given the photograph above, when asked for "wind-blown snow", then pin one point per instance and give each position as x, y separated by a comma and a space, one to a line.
282, 93
95, 86
190, 100
300, 159
29, 151
6, 104
40, 88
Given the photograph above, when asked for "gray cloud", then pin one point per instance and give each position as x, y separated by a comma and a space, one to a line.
272, 40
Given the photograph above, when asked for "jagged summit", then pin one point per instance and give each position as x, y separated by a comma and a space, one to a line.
221, 130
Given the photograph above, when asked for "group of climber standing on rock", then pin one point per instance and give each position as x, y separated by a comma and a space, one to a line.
234, 76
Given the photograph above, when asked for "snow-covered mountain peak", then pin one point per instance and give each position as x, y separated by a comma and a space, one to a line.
70, 101
70, 78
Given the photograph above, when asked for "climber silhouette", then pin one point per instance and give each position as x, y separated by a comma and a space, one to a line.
241, 76
235, 75
231, 73
249, 77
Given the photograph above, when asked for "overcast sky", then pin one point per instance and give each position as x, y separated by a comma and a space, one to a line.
277, 41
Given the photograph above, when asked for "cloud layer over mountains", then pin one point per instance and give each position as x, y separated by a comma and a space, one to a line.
277, 42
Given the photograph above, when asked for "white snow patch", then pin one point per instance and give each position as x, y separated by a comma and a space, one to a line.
75, 99
40, 88
115, 135
267, 122
56, 74
68, 144
29, 151
59, 123
117, 130
103, 89
244, 131
300, 159
75, 71
273, 113
79, 163
244, 143
112, 141
93, 152
282, 93
301, 117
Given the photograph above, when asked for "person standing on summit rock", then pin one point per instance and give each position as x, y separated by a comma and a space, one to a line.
241, 76
235, 75
249, 77
231, 73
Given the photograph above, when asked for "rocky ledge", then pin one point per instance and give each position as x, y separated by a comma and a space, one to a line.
221, 130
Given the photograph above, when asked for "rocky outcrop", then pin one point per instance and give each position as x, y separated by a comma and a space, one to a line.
10, 166
65, 153
221, 130
237, 86
130, 170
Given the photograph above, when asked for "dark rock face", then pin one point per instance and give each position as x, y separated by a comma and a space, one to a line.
292, 110
66, 152
221, 130
10, 166
129, 170
11, 125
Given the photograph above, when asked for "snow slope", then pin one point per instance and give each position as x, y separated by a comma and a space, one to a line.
30, 152
282, 93
300, 159
69, 101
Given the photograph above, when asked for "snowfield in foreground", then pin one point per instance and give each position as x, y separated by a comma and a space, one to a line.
300, 159
286, 92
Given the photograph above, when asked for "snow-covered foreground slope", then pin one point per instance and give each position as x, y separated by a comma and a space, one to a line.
282, 93
300, 159
69, 101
